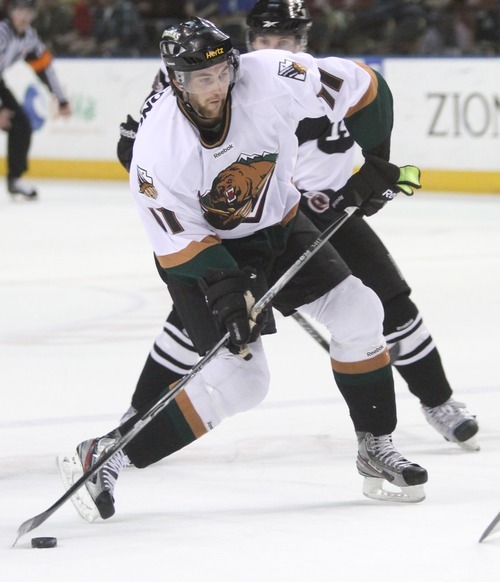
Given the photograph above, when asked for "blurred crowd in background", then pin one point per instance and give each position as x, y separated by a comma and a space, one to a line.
124, 28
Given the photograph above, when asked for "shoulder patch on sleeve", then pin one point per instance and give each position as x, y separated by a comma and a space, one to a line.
146, 185
292, 70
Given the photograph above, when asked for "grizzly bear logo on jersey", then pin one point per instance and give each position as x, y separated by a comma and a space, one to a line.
238, 192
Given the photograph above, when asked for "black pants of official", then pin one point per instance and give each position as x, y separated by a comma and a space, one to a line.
19, 134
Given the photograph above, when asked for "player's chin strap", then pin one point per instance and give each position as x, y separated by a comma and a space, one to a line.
160, 404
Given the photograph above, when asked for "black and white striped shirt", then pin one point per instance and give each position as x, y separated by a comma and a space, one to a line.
30, 48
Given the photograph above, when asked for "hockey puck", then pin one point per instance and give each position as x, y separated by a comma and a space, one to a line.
43, 542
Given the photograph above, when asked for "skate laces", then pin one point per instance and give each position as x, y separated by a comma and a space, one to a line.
448, 413
111, 469
108, 474
382, 448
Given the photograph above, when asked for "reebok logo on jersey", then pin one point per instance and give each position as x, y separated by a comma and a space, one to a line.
215, 53
292, 70
375, 351
223, 151
390, 194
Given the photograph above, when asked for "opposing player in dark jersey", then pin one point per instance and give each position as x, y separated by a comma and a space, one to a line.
212, 180
20, 41
324, 165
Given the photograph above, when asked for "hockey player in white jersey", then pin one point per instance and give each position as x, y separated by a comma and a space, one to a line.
20, 41
325, 162
212, 179
283, 23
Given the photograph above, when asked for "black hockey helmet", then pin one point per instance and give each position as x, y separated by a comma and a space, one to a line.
283, 17
11, 4
196, 44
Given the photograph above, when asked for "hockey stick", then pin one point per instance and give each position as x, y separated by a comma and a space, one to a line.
149, 415
311, 330
492, 528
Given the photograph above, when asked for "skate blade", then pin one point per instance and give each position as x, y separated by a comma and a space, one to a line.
469, 445
382, 490
19, 198
70, 469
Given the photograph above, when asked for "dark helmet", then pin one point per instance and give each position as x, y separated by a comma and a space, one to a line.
11, 4
284, 17
196, 44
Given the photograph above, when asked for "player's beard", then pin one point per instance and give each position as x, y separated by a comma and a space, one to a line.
210, 110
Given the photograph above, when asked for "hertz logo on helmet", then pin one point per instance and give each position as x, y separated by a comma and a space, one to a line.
214, 53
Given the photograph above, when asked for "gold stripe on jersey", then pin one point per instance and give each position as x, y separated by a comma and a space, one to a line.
364, 366
186, 254
192, 418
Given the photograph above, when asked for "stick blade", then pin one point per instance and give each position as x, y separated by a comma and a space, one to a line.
31, 524
492, 528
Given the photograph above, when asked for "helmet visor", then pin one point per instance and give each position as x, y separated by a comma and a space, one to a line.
217, 78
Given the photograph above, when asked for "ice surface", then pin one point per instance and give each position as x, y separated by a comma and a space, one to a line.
272, 494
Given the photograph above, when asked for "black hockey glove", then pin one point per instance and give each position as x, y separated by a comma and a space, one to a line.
230, 300
375, 184
128, 131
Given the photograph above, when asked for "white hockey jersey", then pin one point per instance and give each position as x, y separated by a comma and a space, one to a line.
187, 191
326, 162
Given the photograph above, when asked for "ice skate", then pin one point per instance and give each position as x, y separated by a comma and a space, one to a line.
454, 422
388, 475
129, 413
95, 499
21, 190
